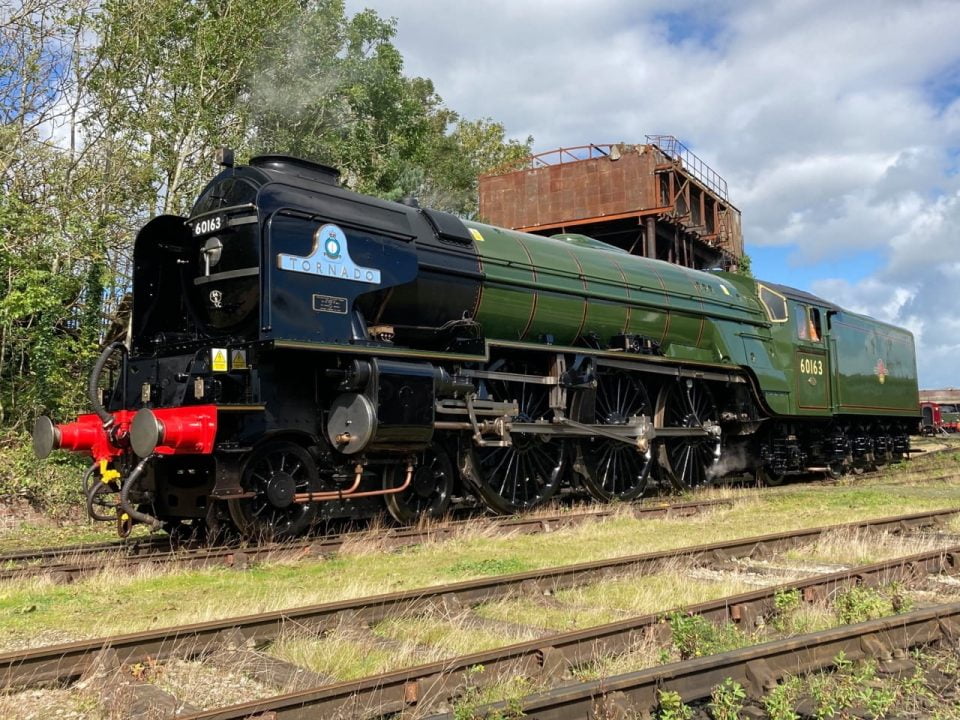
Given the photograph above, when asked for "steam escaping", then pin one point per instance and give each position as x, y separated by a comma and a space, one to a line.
735, 459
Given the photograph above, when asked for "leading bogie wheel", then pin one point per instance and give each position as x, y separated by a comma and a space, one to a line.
766, 477
431, 487
275, 472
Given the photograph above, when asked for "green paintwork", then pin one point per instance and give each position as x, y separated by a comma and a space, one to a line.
876, 366
572, 290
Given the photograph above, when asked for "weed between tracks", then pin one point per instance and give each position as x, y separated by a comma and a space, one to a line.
350, 652
611, 600
153, 597
851, 690
693, 636
848, 690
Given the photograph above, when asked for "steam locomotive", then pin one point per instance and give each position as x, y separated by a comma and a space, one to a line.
302, 352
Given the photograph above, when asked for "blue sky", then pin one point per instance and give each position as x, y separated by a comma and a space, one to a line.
836, 124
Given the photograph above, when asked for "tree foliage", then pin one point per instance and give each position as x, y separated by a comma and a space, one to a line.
110, 111
332, 89
168, 77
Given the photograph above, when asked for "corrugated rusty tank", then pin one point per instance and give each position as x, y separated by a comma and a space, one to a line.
657, 199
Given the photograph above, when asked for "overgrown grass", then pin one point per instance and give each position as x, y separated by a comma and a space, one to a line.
642, 653
454, 635
127, 601
339, 654
857, 689
861, 547
608, 601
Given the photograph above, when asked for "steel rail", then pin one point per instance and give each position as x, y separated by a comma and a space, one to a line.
71, 560
45, 553
552, 656
850, 481
70, 660
757, 668
73, 563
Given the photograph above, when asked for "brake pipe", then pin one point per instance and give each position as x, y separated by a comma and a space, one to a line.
125, 504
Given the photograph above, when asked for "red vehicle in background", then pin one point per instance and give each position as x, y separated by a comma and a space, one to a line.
939, 418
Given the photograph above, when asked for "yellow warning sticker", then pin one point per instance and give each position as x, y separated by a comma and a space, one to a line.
476, 234
238, 359
218, 359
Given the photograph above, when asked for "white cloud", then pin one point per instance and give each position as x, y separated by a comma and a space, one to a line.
834, 122
918, 288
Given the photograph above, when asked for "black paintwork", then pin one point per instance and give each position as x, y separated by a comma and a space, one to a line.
182, 313
420, 253
403, 394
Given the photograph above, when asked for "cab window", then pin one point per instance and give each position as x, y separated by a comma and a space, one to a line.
813, 322
808, 323
229, 192
802, 324
774, 303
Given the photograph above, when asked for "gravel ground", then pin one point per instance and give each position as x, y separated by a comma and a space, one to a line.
13, 642
206, 687
52, 705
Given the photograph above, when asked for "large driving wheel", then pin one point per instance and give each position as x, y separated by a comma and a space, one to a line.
527, 472
430, 488
692, 460
274, 473
613, 469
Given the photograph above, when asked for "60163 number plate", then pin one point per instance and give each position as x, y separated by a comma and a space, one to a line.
209, 225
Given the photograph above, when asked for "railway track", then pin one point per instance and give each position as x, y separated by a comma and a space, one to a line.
552, 657
67, 564
757, 668
68, 661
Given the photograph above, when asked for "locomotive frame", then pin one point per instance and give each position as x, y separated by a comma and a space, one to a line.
303, 352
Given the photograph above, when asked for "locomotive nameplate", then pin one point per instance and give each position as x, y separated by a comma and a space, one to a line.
329, 257
330, 304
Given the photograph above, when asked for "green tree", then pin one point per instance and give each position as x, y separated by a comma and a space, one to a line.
332, 89
745, 266
51, 257
168, 78
110, 112
457, 158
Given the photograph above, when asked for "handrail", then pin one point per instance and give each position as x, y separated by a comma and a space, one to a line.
669, 145
677, 151
563, 155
